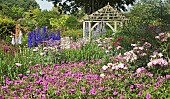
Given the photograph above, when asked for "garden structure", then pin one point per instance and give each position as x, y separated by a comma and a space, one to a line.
96, 22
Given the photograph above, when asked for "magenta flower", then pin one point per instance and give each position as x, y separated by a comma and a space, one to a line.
101, 88
83, 90
149, 74
148, 96
115, 92
93, 91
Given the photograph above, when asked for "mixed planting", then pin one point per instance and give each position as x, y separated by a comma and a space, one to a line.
132, 63
100, 69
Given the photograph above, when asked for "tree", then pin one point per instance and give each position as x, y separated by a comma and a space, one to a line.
90, 6
26, 4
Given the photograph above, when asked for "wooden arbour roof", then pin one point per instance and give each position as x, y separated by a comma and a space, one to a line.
107, 14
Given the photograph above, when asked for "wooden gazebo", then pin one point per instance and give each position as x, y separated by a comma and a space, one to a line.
104, 16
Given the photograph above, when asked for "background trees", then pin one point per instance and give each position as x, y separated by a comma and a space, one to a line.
90, 6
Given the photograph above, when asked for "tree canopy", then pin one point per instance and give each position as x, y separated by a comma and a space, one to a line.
90, 6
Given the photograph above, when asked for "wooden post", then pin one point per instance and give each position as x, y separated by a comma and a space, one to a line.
115, 26
17, 30
84, 29
89, 31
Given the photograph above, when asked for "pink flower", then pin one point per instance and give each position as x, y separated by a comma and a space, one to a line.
110, 47
102, 48
101, 88
149, 74
148, 96
93, 91
138, 70
115, 92
18, 64
167, 76
118, 47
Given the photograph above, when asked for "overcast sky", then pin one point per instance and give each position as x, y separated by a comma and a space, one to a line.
45, 4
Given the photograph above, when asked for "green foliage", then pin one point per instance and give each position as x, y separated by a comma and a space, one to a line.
59, 23
71, 22
6, 26
75, 34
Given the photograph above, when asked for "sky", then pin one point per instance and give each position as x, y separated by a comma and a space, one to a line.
44, 4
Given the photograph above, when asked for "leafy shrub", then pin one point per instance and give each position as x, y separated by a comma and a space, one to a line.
75, 34
72, 22
6, 25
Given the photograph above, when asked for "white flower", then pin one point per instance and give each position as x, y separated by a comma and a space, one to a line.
99, 45
107, 51
109, 64
45, 48
118, 47
42, 54
160, 54
18, 64
104, 67
121, 65
113, 67
133, 44
102, 75
35, 50
141, 48
125, 68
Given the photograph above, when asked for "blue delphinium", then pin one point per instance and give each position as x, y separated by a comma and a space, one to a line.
30, 39
38, 36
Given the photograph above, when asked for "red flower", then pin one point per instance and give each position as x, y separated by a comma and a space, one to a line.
116, 43
119, 38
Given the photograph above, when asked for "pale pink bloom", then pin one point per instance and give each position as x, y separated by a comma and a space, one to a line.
150, 64
125, 68
121, 65
116, 67
45, 48
35, 50
104, 67
160, 54
161, 34
147, 44
143, 54
141, 48
104, 42
138, 70
109, 64
18, 64
135, 48
102, 48
134, 45
118, 47
157, 37
110, 47
113, 67
110, 38
42, 54
102, 75
99, 45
